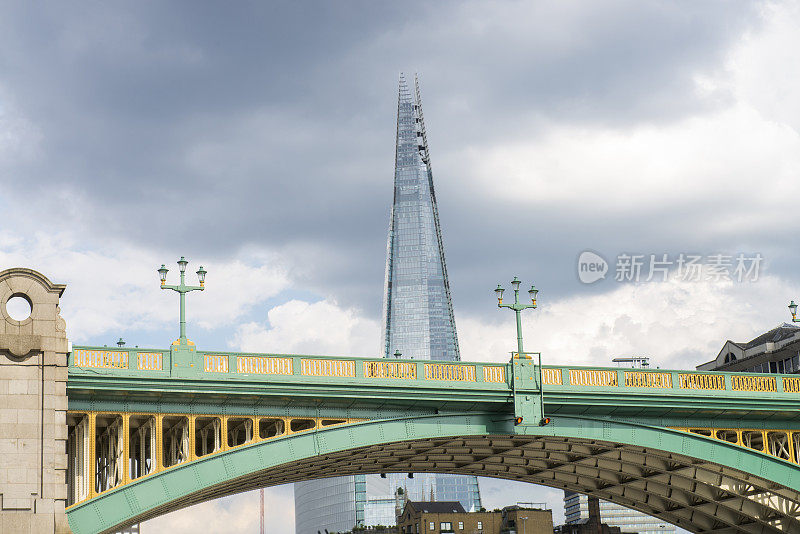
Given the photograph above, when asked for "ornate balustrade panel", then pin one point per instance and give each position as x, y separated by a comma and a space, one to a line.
593, 377
100, 358
450, 372
399, 370
494, 374
647, 379
149, 361
330, 368
264, 366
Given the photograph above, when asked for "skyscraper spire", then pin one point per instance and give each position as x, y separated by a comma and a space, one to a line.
418, 310
418, 323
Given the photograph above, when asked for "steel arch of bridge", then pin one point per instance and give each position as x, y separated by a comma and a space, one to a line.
697, 483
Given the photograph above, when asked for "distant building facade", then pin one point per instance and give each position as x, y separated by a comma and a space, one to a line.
577, 511
526, 520
450, 518
446, 517
775, 351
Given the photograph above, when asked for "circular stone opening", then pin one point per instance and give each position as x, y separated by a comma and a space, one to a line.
18, 308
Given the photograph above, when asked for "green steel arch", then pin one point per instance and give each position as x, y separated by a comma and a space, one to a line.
697, 483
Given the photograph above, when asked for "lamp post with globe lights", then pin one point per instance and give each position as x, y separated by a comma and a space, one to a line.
517, 307
182, 289
793, 311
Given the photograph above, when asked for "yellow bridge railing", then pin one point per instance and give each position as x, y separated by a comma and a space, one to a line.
215, 364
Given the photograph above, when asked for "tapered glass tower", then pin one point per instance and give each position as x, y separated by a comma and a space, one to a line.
418, 312
418, 322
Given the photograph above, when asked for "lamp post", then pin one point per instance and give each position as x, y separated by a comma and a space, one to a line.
793, 311
517, 307
182, 289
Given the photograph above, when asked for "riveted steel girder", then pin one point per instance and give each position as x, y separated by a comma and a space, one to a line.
699, 484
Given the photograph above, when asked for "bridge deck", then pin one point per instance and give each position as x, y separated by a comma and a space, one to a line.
104, 378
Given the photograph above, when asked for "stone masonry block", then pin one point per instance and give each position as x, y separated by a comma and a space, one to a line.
28, 446
18, 386
19, 284
58, 374
6, 415
59, 418
22, 401
29, 415
60, 461
45, 311
15, 523
12, 329
55, 402
55, 358
21, 371
26, 328
43, 506
53, 491
17, 503
26, 430
62, 525
44, 328
19, 475
42, 523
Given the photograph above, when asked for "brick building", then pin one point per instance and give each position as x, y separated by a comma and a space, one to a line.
446, 518
525, 520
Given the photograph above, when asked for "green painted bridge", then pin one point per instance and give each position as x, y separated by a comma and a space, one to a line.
152, 431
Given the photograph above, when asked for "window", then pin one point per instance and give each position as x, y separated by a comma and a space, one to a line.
460, 525
432, 526
445, 526
480, 525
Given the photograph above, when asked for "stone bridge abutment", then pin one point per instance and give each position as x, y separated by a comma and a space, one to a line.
33, 406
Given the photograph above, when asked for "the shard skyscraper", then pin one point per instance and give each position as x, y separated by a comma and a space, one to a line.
418, 323
418, 312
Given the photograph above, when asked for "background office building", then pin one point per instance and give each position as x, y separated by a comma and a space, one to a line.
776, 351
418, 323
576, 509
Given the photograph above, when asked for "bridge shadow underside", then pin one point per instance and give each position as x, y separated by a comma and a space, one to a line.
694, 482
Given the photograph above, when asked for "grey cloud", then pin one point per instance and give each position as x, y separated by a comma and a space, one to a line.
206, 128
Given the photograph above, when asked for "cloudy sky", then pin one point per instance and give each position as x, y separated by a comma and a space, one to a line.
257, 139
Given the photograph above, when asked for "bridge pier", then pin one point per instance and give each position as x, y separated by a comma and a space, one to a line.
33, 407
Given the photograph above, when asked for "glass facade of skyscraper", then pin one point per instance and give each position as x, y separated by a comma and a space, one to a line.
328, 503
418, 312
418, 322
576, 507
